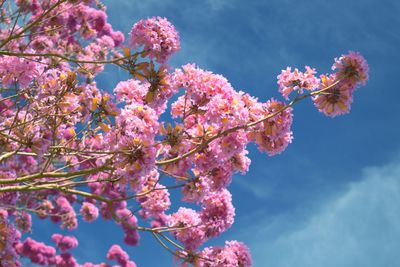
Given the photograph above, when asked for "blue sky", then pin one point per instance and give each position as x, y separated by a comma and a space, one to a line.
333, 197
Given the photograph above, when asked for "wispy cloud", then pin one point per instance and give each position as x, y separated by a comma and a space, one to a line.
359, 228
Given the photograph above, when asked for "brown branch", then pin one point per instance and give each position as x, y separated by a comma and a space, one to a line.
113, 61
51, 175
32, 24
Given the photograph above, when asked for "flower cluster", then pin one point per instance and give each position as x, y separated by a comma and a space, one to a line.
193, 228
89, 211
23, 221
233, 254
289, 81
37, 252
14, 70
209, 106
352, 68
337, 99
351, 71
9, 237
187, 223
134, 134
117, 254
273, 135
65, 213
157, 35
217, 213
155, 200
64, 243
67, 146
129, 225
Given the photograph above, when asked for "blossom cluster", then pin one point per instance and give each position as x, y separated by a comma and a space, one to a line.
9, 237
351, 71
336, 89
289, 81
158, 36
233, 254
73, 153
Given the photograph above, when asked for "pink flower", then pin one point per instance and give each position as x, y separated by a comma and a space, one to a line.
352, 68
23, 221
274, 134
37, 252
337, 99
129, 225
217, 213
117, 254
66, 260
89, 211
9, 237
186, 223
18, 70
131, 91
156, 201
289, 81
196, 189
157, 35
67, 212
234, 254
219, 177
65, 242
134, 132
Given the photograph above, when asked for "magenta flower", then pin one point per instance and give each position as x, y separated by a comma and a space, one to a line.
64, 243
117, 254
37, 252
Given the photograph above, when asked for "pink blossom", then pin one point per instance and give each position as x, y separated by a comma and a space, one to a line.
129, 225
37, 252
187, 223
66, 260
337, 99
274, 134
289, 81
65, 209
131, 91
117, 254
352, 67
196, 189
157, 200
232, 255
157, 35
23, 221
64, 243
217, 212
9, 237
18, 70
136, 127
89, 211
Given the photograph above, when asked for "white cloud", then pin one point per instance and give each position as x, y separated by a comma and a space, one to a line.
359, 228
